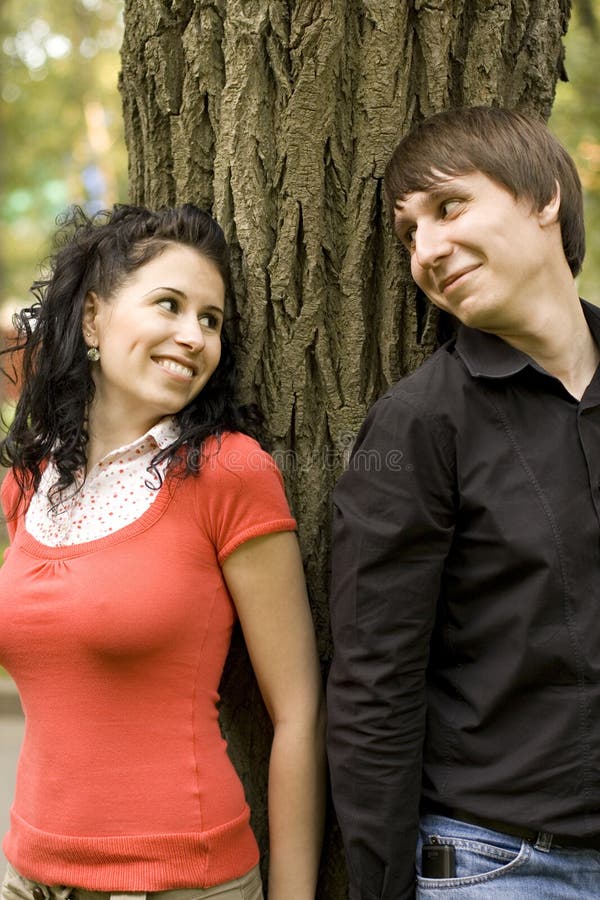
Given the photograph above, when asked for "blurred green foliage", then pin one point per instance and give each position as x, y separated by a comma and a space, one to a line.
576, 122
61, 122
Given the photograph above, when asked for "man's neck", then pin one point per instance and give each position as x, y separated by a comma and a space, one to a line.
558, 338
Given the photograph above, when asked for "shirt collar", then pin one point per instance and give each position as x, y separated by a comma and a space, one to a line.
162, 434
488, 356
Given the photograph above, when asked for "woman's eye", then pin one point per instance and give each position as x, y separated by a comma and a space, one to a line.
209, 321
168, 303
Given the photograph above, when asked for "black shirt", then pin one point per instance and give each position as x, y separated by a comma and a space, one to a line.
466, 608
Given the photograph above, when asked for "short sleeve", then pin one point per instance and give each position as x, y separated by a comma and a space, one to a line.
241, 491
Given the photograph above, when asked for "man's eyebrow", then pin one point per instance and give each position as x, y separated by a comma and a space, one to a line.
435, 192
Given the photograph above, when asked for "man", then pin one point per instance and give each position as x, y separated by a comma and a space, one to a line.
464, 695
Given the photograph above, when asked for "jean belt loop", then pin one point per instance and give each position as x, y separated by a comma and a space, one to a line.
130, 896
544, 841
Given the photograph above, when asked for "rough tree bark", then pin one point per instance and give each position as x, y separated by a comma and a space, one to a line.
279, 117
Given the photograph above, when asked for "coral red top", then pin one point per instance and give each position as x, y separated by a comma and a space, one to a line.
117, 646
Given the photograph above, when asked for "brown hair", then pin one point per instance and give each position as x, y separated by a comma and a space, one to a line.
515, 150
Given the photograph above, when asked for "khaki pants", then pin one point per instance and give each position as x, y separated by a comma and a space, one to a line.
16, 887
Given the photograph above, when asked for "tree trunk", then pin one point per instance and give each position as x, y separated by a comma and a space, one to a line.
279, 117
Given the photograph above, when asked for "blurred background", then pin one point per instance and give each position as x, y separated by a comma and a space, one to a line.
62, 134
575, 121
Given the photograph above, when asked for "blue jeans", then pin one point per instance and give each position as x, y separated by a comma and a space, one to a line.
494, 866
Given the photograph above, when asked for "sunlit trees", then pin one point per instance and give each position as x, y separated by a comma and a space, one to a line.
576, 121
61, 123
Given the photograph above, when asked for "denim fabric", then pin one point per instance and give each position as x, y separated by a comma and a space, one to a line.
494, 866
248, 887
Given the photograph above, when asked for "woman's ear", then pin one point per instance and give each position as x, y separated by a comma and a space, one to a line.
90, 312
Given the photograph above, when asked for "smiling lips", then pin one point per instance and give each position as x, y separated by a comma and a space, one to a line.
452, 279
178, 368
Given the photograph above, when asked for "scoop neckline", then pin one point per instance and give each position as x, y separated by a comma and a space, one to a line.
149, 517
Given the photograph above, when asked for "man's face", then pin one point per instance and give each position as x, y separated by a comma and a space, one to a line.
475, 251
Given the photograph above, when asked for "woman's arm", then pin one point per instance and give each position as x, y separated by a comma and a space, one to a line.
266, 580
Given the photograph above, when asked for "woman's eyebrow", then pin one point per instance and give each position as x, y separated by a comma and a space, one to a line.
170, 290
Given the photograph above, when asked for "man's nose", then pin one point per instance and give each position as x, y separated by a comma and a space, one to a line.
431, 244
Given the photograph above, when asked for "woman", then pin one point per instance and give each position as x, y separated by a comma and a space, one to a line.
144, 520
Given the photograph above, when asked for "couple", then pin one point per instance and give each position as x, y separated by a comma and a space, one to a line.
462, 696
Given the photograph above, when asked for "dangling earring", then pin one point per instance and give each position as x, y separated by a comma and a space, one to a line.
93, 354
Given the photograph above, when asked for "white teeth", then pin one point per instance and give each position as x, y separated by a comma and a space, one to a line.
175, 367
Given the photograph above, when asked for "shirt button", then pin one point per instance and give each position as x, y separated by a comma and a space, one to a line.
38, 894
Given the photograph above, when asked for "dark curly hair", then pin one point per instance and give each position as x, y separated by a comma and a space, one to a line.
97, 254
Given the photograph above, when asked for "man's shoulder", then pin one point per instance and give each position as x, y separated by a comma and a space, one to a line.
442, 376
427, 406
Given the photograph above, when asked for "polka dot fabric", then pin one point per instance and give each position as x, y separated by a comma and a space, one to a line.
117, 491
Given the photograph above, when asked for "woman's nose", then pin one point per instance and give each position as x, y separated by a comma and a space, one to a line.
190, 333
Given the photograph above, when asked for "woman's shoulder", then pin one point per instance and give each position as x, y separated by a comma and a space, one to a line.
236, 452
234, 465
239, 492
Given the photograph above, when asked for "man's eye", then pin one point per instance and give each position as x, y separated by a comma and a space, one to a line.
449, 206
409, 237
168, 303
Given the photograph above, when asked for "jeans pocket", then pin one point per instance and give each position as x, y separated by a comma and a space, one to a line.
478, 859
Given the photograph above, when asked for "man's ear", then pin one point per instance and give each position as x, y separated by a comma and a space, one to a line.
90, 313
549, 213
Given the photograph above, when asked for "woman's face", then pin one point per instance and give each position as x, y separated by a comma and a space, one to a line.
159, 338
